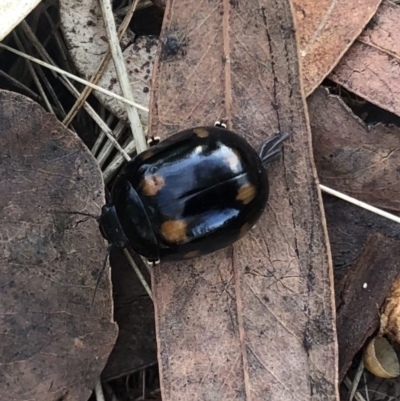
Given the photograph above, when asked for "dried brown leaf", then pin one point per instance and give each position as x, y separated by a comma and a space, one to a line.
367, 284
351, 157
253, 321
371, 68
326, 30
378, 32
52, 346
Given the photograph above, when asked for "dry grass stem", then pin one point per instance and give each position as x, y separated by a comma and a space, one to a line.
122, 74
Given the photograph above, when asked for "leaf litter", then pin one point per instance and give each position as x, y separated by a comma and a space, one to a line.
53, 346
371, 68
184, 40
326, 30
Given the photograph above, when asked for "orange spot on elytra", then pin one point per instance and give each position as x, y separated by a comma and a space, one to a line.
201, 132
192, 254
151, 184
246, 193
174, 231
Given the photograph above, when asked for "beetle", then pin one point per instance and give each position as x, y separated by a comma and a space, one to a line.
194, 193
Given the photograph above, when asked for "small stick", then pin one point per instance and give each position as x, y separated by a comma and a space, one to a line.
360, 203
122, 74
98, 390
138, 273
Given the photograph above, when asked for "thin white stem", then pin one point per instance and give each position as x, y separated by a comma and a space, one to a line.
74, 77
122, 74
117, 162
360, 204
356, 380
138, 273
101, 136
108, 147
349, 385
98, 390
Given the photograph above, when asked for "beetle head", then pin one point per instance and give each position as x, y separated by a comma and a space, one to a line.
125, 222
111, 228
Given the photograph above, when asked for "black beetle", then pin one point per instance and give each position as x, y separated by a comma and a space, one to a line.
196, 192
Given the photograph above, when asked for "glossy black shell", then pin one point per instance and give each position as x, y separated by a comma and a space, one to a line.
194, 193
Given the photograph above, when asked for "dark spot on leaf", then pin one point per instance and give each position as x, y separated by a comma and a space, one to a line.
173, 47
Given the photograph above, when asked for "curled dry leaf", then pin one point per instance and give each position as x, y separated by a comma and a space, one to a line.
52, 346
83, 28
326, 30
371, 68
390, 316
359, 160
380, 358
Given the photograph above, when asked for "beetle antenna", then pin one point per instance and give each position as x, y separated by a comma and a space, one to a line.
93, 216
108, 194
272, 148
103, 268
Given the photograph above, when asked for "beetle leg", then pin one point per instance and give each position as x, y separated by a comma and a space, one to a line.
220, 123
153, 263
272, 148
153, 140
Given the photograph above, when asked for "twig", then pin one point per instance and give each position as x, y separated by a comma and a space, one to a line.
99, 392
33, 74
40, 48
349, 385
356, 380
29, 92
360, 204
101, 136
105, 152
114, 166
366, 387
63, 53
122, 74
138, 273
